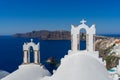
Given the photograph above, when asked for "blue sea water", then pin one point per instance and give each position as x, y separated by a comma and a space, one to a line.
11, 51
111, 35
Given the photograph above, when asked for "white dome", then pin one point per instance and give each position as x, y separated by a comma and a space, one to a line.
80, 67
3, 74
28, 72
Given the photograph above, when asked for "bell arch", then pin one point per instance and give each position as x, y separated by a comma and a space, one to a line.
82, 39
27, 51
31, 54
75, 37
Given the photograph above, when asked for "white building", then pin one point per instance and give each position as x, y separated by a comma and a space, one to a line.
81, 64
116, 48
77, 65
28, 70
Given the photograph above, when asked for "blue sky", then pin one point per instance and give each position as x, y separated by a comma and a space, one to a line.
19, 16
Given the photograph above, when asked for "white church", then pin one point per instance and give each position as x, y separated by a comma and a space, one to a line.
77, 65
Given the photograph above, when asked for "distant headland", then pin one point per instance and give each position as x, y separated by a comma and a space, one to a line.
46, 35
52, 35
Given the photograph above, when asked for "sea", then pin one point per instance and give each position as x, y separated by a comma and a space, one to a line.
11, 51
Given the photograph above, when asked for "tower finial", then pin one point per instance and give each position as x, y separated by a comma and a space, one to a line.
31, 40
34, 48
83, 21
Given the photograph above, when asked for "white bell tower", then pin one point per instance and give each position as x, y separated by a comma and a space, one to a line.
36, 49
75, 37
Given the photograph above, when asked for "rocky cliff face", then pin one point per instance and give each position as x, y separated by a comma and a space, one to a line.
46, 35
52, 35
